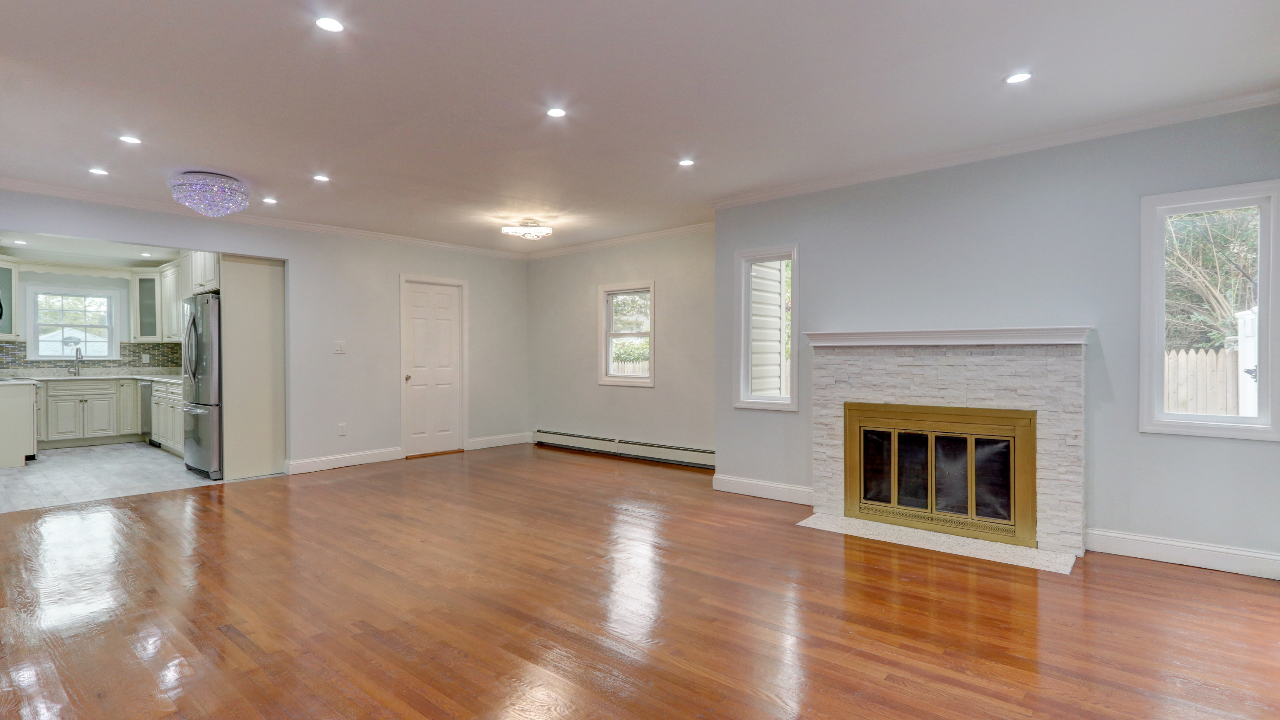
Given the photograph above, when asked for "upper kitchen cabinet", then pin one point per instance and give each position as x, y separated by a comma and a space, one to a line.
171, 294
148, 308
204, 271
8, 301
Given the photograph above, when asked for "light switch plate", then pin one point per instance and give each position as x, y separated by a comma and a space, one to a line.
342, 428
146, 359
339, 346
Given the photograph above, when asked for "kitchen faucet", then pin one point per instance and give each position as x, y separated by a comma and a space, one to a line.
75, 368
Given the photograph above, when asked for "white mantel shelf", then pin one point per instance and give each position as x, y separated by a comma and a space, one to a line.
989, 336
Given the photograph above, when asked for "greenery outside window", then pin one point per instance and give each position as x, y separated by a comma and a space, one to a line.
1207, 316
626, 334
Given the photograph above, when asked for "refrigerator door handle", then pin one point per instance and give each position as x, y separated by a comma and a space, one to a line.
193, 410
191, 347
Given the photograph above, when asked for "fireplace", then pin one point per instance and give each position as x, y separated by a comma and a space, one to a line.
963, 471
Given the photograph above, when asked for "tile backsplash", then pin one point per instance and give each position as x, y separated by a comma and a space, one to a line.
13, 355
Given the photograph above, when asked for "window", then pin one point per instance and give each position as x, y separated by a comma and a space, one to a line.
765, 351
1207, 316
626, 334
64, 320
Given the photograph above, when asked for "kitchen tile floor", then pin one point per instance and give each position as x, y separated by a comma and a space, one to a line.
98, 472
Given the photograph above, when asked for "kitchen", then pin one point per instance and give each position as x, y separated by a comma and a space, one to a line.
128, 369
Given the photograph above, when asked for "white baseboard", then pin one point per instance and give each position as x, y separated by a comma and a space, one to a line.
499, 440
1258, 563
297, 467
797, 494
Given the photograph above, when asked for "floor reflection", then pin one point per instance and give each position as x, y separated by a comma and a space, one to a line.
75, 570
634, 601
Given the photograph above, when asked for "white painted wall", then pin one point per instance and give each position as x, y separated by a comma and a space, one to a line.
563, 294
339, 288
1044, 238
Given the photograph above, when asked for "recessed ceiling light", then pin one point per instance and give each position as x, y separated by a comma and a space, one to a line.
269, 201
320, 178
686, 162
97, 171
1016, 78
19, 242
130, 139
556, 112
146, 254
329, 24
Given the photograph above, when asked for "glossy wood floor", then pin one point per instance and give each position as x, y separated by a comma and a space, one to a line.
534, 583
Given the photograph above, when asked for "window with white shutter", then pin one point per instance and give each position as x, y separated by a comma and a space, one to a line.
765, 348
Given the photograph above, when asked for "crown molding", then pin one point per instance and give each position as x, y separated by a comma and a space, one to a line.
625, 240
988, 336
168, 208
1147, 121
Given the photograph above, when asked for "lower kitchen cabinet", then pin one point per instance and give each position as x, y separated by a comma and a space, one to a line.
167, 418
84, 408
92, 416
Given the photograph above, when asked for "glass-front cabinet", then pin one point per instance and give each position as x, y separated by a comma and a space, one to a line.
147, 308
8, 301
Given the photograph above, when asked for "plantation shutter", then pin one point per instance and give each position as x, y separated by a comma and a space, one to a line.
769, 371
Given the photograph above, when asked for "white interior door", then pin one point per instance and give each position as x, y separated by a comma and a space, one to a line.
431, 348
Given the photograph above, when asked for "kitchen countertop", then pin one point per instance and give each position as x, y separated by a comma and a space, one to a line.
152, 378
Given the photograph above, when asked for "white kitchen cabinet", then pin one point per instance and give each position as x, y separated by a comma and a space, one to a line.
204, 271
167, 417
8, 301
66, 418
99, 416
128, 419
147, 308
18, 418
171, 293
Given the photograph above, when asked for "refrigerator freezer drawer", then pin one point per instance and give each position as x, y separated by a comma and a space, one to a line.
202, 439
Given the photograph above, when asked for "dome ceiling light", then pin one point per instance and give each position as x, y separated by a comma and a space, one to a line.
210, 194
529, 229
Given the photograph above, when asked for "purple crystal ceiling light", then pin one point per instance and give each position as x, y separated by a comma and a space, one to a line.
209, 194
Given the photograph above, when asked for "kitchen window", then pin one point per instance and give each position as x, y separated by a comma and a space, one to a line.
64, 320
1207, 316
626, 334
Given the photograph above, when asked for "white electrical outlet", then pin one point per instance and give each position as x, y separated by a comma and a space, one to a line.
146, 359
342, 428
339, 346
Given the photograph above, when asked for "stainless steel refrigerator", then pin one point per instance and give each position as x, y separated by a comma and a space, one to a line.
202, 385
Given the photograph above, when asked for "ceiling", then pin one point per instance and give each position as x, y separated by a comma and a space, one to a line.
430, 117
82, 251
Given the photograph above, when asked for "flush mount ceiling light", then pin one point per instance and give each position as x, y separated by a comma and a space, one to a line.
556, 112
210, 194
97, 171
320, 178
19, 242
529, 229
146, 254
329, 24
269, 201
130, 139
1016, 78
686, 162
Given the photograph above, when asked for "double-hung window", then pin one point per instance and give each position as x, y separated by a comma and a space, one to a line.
626, 334
63, 321
767, 372
1208, 323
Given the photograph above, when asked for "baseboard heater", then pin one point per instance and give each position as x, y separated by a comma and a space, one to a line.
628, 448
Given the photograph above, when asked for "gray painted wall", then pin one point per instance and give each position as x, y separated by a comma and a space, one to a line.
563, 295
1044, 238
339, 288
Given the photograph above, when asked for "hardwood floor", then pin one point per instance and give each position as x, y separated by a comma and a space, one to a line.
531, 583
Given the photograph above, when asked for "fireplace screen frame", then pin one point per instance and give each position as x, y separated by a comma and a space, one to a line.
1018, 426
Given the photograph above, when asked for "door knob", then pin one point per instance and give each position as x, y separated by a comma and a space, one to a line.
407, 377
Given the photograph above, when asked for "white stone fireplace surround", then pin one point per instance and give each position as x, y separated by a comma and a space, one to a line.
1039, 369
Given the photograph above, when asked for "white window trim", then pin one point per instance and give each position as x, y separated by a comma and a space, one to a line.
742, 309
602, 363
118, 308
1152, 417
